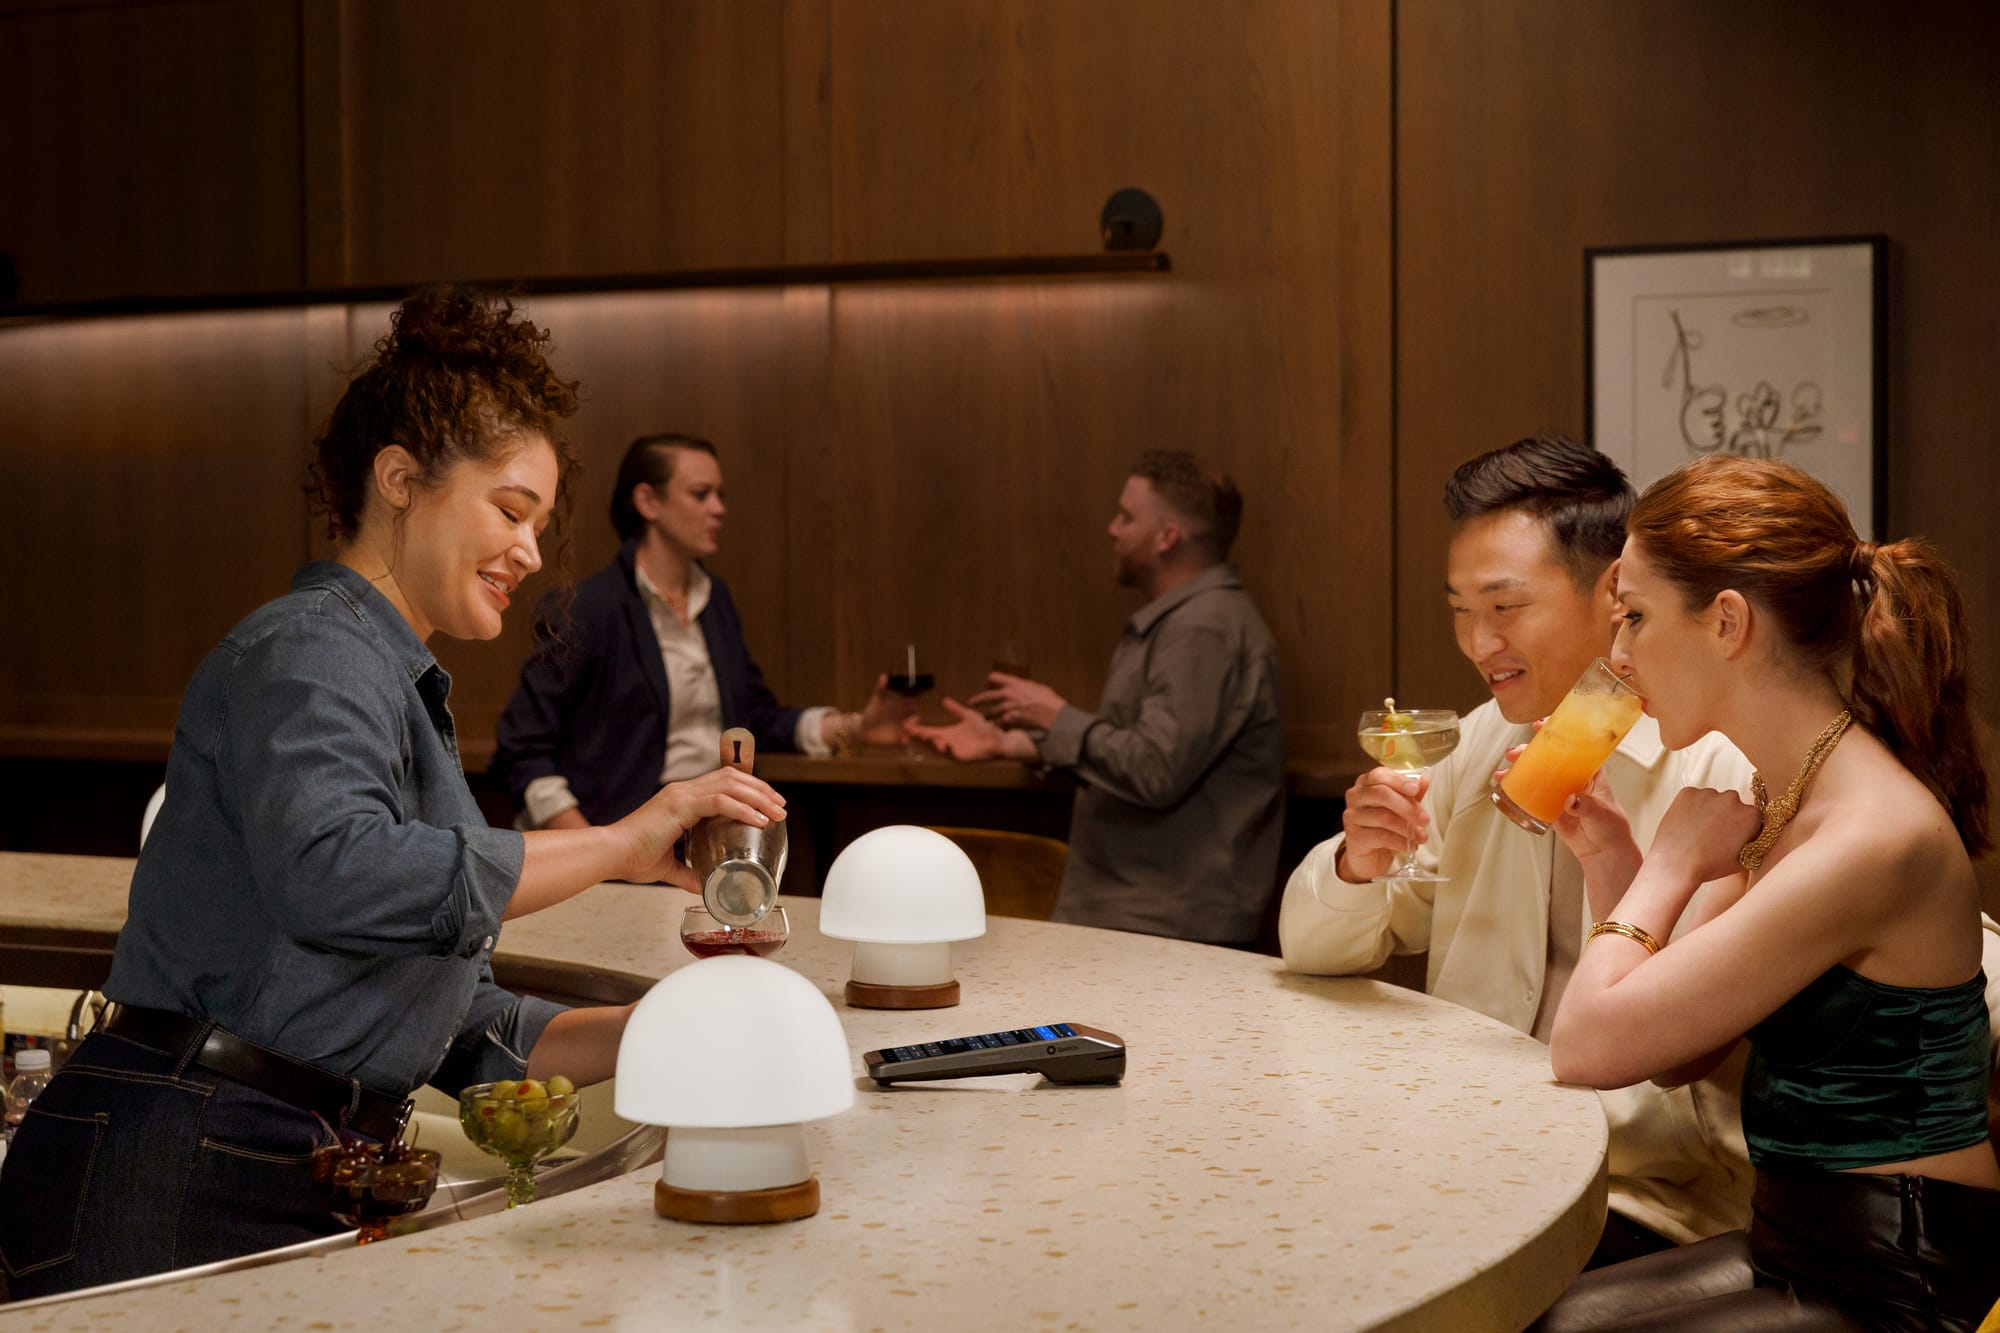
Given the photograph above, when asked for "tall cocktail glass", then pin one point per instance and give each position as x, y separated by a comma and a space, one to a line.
1410, 741
1571, 746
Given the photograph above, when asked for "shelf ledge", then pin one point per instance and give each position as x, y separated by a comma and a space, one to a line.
1110, 264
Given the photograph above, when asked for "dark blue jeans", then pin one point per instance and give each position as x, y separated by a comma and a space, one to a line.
135, 1162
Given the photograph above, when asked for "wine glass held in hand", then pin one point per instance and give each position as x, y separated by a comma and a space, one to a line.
1409, 741
909, 682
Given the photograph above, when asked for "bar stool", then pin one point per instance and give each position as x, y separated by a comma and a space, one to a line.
1021, 873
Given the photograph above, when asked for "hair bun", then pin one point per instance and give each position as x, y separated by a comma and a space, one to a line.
451, 326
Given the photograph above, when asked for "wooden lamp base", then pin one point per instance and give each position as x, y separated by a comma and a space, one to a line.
784, 1203
869, 995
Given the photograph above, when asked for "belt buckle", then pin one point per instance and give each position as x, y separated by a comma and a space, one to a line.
403, 1114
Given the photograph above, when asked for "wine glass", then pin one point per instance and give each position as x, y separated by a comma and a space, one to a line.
911, 684
520, 1121
705, 937
1409, 741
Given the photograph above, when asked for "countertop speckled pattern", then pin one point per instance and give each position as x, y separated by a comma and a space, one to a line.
1285, 1152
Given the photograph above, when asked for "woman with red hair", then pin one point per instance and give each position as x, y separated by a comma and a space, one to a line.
1840, 928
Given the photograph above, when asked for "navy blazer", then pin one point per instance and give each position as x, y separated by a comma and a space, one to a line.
593, 705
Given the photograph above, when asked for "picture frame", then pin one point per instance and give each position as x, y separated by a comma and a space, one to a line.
1766, 349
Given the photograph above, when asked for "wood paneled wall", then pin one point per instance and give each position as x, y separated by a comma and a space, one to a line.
1377, 211
928, 461
1530, 129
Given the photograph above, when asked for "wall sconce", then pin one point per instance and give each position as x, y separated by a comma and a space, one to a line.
902, 894
1131, 220
733, 1055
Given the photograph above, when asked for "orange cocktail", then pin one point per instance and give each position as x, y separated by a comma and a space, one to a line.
1572, 745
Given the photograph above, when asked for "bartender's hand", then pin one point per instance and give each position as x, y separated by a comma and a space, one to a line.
883, 716
654, 827
972, 738
1014, 701
1384, 814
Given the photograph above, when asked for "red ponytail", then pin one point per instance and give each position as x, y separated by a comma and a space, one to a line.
1886, 622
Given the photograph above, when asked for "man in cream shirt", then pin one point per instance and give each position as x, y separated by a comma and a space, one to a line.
1536, 527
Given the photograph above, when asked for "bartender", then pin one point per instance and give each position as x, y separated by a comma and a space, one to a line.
313, 919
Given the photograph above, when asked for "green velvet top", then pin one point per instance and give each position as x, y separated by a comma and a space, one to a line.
1851, 1072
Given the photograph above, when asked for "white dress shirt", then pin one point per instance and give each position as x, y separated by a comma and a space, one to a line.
694, 721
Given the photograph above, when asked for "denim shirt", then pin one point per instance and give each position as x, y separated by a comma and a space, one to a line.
319, 879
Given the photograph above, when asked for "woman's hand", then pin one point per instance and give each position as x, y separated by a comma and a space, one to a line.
882, 717
1596, 830
1703, 831
654, 828
1384, 815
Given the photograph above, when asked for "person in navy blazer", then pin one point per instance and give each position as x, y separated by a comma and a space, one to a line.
637, 682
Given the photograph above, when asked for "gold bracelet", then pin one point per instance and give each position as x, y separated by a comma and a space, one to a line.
847, 736
1630, 932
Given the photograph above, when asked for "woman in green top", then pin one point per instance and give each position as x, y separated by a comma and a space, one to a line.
1840, 928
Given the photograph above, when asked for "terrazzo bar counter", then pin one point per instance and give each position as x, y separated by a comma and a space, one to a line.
1285, 1152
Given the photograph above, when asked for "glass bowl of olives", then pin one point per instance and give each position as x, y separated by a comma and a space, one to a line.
369, 1185
520, 1121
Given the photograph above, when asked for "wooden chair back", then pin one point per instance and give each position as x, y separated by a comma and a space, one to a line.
1020, 872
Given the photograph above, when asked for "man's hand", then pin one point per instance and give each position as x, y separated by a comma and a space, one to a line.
654, 827
1384, 815
972, 738
1013, 701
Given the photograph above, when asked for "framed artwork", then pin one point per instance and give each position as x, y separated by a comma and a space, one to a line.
1764, 349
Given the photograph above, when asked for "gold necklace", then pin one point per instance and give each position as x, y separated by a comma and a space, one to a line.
1779, 813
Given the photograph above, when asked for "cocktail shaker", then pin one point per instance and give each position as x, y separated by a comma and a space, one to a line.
739, 864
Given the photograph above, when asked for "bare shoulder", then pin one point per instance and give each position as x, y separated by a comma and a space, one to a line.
1885, 850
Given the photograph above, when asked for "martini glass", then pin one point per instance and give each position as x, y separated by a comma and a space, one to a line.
1409, 741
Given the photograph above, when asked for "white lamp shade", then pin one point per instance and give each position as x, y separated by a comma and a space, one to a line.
733, 1043
902, 885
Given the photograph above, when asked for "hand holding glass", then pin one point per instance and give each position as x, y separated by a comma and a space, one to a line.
1409, 741
1571, 746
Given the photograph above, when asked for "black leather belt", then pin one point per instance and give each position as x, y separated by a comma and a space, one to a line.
339, 1101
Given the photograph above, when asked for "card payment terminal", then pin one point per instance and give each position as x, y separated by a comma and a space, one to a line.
1059, 1052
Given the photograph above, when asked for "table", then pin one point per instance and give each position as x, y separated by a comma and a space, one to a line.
1286, 1152
836, 799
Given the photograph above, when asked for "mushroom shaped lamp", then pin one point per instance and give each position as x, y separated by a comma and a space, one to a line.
902, 894
733, 1055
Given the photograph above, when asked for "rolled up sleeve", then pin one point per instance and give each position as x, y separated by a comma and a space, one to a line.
498, 1034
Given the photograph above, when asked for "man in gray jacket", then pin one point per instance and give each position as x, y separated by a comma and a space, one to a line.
1176, 823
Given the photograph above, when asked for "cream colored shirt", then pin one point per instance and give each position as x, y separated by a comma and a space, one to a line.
694, 723
1678, 1163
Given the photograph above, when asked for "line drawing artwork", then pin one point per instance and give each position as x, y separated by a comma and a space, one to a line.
1764, 421
1767, 351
